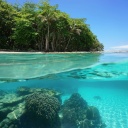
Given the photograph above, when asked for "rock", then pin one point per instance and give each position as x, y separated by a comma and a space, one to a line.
77, 114
11, 100
74, 110
4, 112
16, 114
93, 113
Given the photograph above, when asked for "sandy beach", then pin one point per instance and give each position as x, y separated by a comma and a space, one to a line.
38, 52
42, 52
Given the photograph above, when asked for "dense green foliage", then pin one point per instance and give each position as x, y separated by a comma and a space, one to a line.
43, 27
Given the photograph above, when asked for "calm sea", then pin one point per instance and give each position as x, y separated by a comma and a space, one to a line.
100, 78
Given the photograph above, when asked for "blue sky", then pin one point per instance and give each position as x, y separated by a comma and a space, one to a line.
108, 19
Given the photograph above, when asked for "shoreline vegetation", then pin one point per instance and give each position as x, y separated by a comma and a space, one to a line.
43, 27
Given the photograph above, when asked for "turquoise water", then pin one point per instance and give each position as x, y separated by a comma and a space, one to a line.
91, 75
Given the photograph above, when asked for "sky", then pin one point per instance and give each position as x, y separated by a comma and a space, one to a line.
108, 19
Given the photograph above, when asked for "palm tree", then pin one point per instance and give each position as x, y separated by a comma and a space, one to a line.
73, 29
47, 16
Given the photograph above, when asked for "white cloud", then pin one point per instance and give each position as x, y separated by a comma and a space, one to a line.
120, 47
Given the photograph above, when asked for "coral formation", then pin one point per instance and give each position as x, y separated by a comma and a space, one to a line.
72, 110
43, 108
75, 101
23, 90
15, 112
11, 111
76, 113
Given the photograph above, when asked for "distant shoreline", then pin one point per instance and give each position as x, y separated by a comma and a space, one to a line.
13, 52
42, 52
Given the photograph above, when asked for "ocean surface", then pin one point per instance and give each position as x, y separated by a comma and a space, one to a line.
100, 78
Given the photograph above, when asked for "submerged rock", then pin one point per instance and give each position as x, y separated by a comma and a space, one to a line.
41, 108
77, 114
73, 110
8, 104
17, 113
75, 101
13, 118
14, 112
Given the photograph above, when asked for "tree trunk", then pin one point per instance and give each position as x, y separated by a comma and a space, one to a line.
68, 43
41, 43
53, 42
46, 43
47, 40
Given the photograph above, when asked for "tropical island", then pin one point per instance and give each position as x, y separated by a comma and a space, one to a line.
43, 27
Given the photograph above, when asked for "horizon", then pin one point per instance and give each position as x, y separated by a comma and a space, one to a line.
107, 19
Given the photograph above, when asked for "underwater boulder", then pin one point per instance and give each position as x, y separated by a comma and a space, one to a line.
77, 114
69, 117
85, 124
94, 117
75, 101
73, 110
92, 113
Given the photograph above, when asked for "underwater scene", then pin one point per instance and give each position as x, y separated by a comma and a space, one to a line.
65, 90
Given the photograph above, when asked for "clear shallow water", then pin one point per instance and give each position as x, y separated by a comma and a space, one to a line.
26, 66
91, 75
